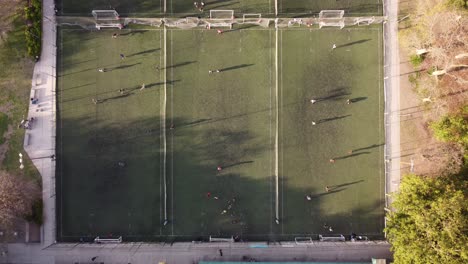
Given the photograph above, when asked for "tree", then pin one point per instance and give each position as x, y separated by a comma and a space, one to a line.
17, 196
429, 223
453, 127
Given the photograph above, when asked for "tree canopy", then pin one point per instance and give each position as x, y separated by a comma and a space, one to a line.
429, 223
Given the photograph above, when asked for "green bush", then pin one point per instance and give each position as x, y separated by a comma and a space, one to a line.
461, 4
33, 33
453, 127
416, 60
36, 215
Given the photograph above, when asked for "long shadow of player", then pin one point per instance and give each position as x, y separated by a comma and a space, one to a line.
332, 119
352, 155
352, 43
235, 67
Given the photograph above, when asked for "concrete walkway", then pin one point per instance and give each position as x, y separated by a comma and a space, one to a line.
188, 253
392, 95
39, 141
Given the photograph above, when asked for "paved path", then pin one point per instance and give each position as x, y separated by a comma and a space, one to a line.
392, 95
188, 253
39, 142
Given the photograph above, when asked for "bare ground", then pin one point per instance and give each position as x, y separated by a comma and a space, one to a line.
418, 146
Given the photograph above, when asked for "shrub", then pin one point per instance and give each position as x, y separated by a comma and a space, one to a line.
33, 33
453, 128
460, 4
416, 60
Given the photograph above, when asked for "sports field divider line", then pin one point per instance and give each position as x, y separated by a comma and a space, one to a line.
163, 123
276, 132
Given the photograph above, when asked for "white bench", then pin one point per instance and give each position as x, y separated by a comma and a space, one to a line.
337, 238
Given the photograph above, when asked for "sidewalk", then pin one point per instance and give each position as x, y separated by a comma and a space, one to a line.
39, 142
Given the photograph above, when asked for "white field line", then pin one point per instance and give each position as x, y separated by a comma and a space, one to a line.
163, 124
276, 132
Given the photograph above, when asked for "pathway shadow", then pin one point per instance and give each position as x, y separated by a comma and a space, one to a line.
235, 67
352, 43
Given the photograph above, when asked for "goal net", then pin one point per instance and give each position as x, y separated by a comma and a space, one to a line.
108, 240
332, 238
364, 21
331, 18
107, 19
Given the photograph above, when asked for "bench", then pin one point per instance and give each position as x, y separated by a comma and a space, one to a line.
337, 238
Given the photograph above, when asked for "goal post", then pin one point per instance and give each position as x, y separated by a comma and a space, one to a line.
331, 18
107, 19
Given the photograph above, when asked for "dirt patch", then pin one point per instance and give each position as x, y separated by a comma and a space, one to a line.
6, 16
4, 146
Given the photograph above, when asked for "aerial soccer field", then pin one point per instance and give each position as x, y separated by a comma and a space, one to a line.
255, 133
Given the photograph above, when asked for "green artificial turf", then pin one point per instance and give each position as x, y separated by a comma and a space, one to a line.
173, 134
224, 119
96, 195
351, 134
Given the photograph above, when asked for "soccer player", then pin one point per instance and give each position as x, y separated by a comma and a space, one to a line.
332, 161
220, 31
102, 70
142, 87
334, 46
312, 101
219, 168
122, 56
327, 189
313, 123
115, 35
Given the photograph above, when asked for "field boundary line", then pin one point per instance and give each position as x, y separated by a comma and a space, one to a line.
276, 131
163, 124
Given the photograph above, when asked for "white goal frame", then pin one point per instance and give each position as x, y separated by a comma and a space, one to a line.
331, 18
251, 18
105, 15
228, 14
107, 19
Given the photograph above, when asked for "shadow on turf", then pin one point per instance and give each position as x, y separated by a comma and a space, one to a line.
369, 147
335, 94
123, 66
133, 32
180, 64
143, 52
332, 119
352, 155
235, 67
352, 43
357, 99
